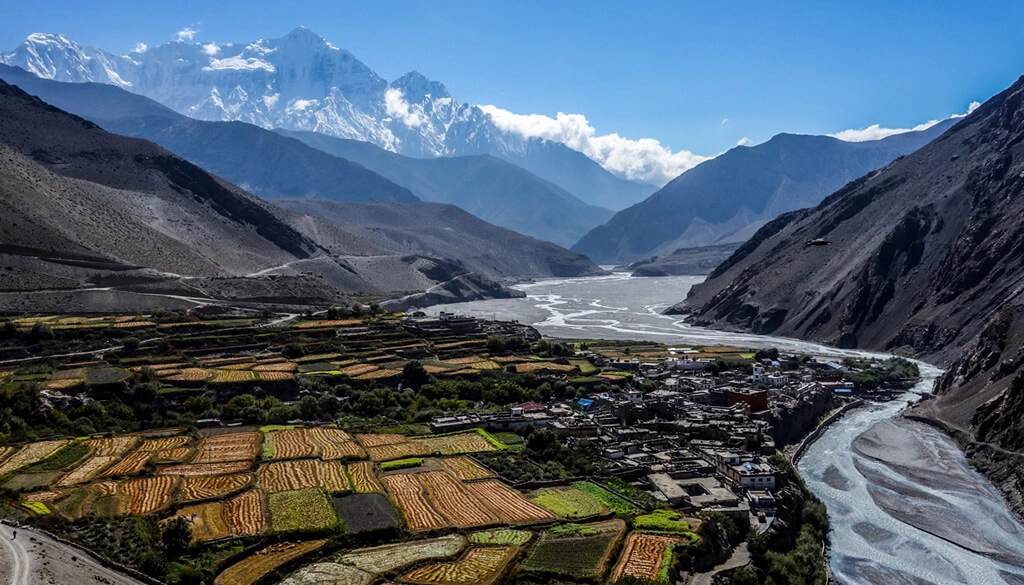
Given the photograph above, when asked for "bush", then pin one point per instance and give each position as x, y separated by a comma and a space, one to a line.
293, 350
176, 536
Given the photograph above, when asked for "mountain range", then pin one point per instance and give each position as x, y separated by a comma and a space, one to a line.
303, 82
788, 172
304, 164
96, 221
925, 257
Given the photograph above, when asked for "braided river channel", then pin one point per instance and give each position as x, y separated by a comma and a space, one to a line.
905, 507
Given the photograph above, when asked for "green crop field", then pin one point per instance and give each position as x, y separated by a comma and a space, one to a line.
401, 464
582, 553
665, 522
614, 502
501, 536
569, 503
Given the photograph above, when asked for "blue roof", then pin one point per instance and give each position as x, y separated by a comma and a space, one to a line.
585, 403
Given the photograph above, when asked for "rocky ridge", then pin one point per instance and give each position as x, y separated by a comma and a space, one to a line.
925, 256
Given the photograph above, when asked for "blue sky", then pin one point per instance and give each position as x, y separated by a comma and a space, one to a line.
695, 76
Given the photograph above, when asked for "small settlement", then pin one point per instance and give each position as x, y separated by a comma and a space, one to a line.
701, 439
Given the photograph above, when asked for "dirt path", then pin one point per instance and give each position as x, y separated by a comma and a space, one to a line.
740, 558
35, 559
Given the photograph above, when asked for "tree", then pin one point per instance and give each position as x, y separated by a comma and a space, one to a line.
9, 330
131, 344
414, 374
40, 332
176, 536
153, 563
293, 350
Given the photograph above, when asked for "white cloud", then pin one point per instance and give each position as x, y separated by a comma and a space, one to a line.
645, 160
140, 47
187, 33
211, 49
877, 132
396, 106
724, 120
742, 141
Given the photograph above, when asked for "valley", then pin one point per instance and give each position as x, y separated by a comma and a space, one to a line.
230, 448
677, 297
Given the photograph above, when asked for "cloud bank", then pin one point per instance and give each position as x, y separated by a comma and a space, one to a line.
397, 107
645, 160
877, 132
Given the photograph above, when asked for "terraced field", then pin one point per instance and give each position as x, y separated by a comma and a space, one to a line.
206, 521
228, 447
393, 451
456, 444
112, 447
306, 510
86, 470
454, 502
408, 494
477, 566
130, 465
643, 556
391, 557
587, 556
246, 513
466, 469
364, 480
258, 565
196, 469
509, 505
31, 453
148, 495
366, 512
569, 503
329, 574
196, 488
163, 444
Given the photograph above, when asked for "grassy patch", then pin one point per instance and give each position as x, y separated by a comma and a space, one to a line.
509, 438
401, 464
614, 502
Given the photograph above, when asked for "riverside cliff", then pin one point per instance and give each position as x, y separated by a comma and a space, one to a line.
925, 256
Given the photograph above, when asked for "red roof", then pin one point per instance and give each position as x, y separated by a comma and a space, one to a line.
532, 406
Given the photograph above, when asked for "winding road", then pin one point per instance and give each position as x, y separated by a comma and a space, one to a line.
18, 564
34, 558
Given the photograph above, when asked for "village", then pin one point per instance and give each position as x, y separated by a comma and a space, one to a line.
701, 441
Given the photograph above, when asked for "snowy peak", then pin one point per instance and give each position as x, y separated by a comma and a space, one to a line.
301, 81
54, 56
417, 88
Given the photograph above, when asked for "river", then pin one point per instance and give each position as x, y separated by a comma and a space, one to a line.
905, 507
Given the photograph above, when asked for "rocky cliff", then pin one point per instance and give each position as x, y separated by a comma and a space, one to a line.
926, 256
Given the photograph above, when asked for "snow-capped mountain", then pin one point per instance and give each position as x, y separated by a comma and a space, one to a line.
303, 82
